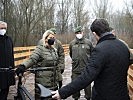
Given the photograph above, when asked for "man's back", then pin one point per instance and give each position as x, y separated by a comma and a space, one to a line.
108, 66
111, 82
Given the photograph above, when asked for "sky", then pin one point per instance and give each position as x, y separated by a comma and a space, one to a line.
116, 4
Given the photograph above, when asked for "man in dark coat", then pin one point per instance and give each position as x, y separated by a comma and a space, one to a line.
108, 66
6, 62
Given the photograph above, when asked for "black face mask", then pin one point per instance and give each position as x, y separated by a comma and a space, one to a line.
51, 41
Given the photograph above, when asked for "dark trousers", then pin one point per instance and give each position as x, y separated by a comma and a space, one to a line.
4, 94
87, 90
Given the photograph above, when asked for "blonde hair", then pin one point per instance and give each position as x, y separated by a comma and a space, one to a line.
45, 35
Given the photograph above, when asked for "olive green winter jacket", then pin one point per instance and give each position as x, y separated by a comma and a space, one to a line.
61, 55
80, 51
47, 57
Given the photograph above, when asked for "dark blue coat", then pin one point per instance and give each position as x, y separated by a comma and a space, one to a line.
6, 60
108, 68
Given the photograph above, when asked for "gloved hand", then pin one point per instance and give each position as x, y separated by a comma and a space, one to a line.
62, 70
20, 69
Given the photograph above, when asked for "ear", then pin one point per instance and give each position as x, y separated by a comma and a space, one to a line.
94, 33
96, 36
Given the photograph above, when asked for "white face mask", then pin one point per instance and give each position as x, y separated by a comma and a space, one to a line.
79, 36
2, 31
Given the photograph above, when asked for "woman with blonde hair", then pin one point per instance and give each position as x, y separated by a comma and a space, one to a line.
46, 56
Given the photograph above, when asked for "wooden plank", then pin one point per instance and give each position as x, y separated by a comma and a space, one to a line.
66, 49
130, 72
131, 50
18, 62
130, 92
131, 66
24, 54
24, 48
130, 82
130, 87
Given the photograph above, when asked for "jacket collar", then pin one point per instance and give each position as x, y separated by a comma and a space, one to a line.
3, 36
79, 40
106, 37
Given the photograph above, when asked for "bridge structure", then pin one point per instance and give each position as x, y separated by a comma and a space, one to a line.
22, 53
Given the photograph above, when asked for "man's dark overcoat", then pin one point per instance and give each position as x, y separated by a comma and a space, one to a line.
6, 60
108, 68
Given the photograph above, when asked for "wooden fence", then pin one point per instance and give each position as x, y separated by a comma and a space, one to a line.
22, 53
130, 79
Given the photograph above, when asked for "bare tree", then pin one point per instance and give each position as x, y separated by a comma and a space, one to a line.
122, 22
80, 15
8, 13
63, 14
31, 13
101, 8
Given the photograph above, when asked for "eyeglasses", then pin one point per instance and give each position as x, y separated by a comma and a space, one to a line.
3, 28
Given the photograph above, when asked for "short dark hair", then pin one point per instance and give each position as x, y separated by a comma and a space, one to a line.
100, 26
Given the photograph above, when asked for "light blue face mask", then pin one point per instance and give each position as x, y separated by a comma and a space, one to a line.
2, 31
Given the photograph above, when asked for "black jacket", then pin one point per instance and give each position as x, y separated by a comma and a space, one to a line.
6, 60
108, 68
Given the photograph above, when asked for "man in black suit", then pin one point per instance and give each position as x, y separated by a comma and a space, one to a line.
108, 66
7, 75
